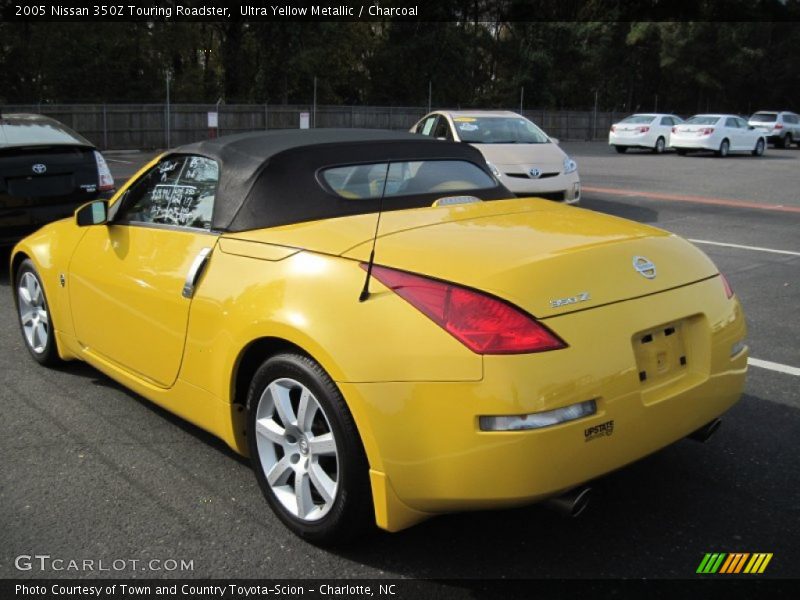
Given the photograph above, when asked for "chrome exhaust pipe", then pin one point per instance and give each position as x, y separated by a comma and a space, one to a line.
571, 503
706, 431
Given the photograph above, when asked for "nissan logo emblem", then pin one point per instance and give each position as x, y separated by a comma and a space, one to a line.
644, 267
39, 168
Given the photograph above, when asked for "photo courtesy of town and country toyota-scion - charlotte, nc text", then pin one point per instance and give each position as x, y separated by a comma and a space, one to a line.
210, 10
199, 591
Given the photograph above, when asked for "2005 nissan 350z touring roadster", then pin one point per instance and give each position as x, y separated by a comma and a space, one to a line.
492, 352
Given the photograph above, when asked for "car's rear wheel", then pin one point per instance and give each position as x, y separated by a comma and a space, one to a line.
306, 451
660, 146
621, 149
34, 315
759, 149
724, 148
787, 140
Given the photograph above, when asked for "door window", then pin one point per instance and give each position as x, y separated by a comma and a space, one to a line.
442, 129
731, 122
179, 191
426, 127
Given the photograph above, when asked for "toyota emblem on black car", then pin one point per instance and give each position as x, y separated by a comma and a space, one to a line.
39, 168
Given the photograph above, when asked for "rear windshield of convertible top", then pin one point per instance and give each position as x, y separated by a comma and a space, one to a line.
370, 181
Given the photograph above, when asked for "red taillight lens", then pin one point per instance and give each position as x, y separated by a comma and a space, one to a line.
674, 130
105, 181
613, 128
778, 126
727, 286
644, 129
481, 322
707, 131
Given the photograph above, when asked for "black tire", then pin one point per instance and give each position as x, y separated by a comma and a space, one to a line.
724, 148
681, 151
787, 141
621, 149
661, 146
350, 512
759, 149
45, 352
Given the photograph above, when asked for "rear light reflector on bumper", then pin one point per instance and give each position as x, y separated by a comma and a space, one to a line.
539, 420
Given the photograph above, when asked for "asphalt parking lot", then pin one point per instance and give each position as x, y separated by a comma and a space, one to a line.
91, 471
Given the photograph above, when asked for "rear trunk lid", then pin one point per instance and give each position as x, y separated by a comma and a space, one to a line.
548, 261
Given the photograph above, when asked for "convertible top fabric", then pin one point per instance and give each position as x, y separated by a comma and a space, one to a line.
271, 178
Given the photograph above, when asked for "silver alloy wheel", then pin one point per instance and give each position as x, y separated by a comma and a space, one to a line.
723, 148
33, 312
297, 449
660, 145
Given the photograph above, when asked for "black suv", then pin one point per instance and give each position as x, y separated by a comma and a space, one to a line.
46, 171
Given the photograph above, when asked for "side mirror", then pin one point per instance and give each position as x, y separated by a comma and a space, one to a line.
92, 213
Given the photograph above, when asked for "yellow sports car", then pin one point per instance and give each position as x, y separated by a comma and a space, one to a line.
382, 327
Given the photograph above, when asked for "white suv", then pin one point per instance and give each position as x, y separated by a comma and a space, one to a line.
782, 128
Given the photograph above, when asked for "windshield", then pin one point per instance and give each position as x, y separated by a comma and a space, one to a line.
701, 120
499, 130
764, 117
639, 119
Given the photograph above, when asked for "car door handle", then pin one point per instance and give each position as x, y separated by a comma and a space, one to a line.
195, 271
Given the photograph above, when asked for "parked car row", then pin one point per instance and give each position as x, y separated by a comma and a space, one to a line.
718, 133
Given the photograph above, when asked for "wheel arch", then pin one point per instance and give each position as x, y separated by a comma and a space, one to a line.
252, 356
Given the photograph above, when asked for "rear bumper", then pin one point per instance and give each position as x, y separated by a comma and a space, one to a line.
693, 144
431, 456
643, 140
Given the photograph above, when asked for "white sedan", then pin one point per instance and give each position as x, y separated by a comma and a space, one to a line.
720, 134
651, 130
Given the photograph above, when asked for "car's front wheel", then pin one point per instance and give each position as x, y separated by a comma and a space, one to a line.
306, 451
34, 315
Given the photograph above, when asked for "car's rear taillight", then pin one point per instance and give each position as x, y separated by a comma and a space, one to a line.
644, 129
105, 181
727, 286
778, 126
674, 130
707, 131
613, 128
483, 323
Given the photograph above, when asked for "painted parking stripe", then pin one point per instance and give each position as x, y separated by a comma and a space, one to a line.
691, 198
773, 366
742, 247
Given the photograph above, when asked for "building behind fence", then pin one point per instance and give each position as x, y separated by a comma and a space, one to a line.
150, 126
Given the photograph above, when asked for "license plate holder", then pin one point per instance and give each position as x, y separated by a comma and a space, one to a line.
661, 353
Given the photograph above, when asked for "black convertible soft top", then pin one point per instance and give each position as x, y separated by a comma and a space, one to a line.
271, 178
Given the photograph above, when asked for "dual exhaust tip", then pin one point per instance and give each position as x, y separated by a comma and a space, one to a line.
574, 502
571, 503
